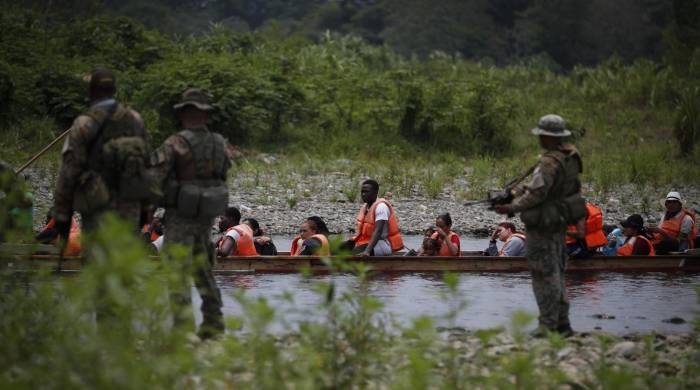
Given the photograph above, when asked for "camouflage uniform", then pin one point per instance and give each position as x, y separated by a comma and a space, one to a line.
81, 151
545, 245
194, 156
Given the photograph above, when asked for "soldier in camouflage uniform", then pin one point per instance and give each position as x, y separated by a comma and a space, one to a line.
543, 207
193, 164
86, 180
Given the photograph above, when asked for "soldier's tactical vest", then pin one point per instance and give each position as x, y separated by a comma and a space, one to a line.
564, 204
198, 190
117, 162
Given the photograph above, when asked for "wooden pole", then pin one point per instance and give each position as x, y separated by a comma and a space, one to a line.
31, 161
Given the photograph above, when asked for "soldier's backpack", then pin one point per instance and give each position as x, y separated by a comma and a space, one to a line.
117, 162
205, 196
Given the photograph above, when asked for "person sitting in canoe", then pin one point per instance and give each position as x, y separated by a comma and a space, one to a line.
448, 241
678, 227
513, 241
153, 228
584, 238
313, 240
430, 247
376, 226
637, 240
263, 244
238, 237
49, 235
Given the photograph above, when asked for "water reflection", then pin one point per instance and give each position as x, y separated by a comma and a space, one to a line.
638, 302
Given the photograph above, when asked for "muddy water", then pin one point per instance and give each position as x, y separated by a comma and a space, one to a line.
614, 302
619, 303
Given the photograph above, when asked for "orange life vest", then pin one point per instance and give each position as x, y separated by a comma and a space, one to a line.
626, 250
324, 250
154, 235
364, 226
519, 235
245, 245
296, 248
444, 249
672, 226
595, 237
73, 246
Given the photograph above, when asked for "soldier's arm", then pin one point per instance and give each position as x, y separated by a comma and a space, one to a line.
163, 159
74, 159
536, 191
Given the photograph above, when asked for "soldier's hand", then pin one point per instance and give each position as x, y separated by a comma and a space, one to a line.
503, 208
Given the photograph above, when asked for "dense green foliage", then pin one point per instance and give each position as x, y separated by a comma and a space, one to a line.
342, 97
50, 338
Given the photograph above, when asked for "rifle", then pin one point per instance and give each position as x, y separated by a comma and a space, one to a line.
54, 142
504, 196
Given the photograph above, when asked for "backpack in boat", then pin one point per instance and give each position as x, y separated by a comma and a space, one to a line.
205, 196
118, 162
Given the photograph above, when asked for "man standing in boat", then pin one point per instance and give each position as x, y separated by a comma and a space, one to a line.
377, 227
547, 205
193, 165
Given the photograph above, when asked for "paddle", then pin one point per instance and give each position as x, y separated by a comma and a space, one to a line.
36, 156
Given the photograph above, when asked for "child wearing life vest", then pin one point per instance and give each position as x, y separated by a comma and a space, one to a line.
448, 240
637, 242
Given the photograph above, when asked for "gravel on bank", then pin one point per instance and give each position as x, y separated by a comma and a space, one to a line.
281, 201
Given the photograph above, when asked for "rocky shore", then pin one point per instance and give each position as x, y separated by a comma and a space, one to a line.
281, 199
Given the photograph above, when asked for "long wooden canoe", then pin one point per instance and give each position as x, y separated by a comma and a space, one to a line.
469, 262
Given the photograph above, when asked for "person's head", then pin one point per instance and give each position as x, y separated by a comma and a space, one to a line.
231, 217
504, 230
430, 247
444, 221
370, 190
254, 225
103, 84
551, 129
633, 225
306, 230
673, 202
318, 224
194, 108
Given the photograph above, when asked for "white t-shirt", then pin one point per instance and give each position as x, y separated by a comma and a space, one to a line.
233, 233
381, 212
158, 243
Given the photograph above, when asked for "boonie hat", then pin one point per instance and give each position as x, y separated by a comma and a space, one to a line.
634, 221
551, 125
194, 97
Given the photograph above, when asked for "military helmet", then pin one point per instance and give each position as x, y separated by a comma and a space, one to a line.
194, 97
551, 125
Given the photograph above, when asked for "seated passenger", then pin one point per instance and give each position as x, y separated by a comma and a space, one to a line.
263, 244
313, 241
430, 247
447, 239
49, 235
377, 227
615, 241
154, 226
584, 238
678, 228
238, 238
513, 241
636, 242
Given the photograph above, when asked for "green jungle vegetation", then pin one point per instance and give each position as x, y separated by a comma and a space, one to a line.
321, 97
50, 338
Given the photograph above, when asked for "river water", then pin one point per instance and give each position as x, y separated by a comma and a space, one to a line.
618, 303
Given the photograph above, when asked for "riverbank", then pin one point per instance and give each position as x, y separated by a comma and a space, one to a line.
281, 192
